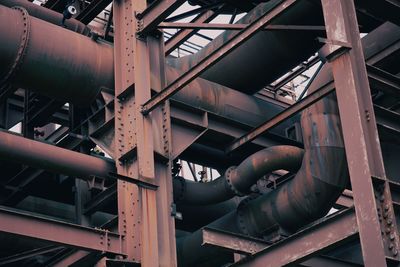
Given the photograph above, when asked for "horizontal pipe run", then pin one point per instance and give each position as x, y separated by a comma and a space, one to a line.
267, 55
52, 158
73, 67
48, 15
237, 180
51, 60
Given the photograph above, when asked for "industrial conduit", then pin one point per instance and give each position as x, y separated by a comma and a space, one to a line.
48, 15
52, 60
238, 180
308, 196
68, 66
52, 158
79, 66
56, 159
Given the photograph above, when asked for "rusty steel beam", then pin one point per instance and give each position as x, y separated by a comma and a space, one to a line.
149, 18
241, 244
28, 254
183, 35
92, 10
287, 113
328, 233
129, 215
56, 5
327, 261
378, 240
66, 234
197, 11
136, 143
225, 26
102, 199
384, 81
302, 68
388, 118
217, 55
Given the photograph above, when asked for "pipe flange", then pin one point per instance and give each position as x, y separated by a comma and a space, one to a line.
26, 22
181, 194
228, 179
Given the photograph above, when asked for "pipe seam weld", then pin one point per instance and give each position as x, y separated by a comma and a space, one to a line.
26, 22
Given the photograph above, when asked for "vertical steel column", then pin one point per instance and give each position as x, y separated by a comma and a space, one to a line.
162, 137
129, 216
378, 237
145, 214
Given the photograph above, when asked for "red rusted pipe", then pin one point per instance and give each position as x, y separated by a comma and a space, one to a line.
48, 15
237, 180
49, 157
264, 57
308, 196
52, 60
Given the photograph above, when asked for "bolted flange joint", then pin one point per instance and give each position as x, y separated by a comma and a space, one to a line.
230, 180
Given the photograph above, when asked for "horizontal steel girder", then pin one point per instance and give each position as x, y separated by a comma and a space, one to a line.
24, 225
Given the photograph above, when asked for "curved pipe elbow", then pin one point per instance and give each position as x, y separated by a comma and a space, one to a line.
313, 191
238, 180
261, 163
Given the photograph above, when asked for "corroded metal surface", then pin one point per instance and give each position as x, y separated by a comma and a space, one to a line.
68, 66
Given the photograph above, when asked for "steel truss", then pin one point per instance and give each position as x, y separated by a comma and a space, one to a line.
145, 231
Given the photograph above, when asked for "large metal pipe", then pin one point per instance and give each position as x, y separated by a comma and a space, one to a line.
73, 68
246, 60
48, 15
52, 158
237, 180
316, 186
52, 60
59, 160
307, 197
267, 55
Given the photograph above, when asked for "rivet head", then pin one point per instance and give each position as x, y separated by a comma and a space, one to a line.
391, 236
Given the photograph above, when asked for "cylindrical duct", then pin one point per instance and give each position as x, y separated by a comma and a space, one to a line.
71, 67
237, 180
48, 15
307, 197
316, 186
267, 55
54, 61
49, 157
